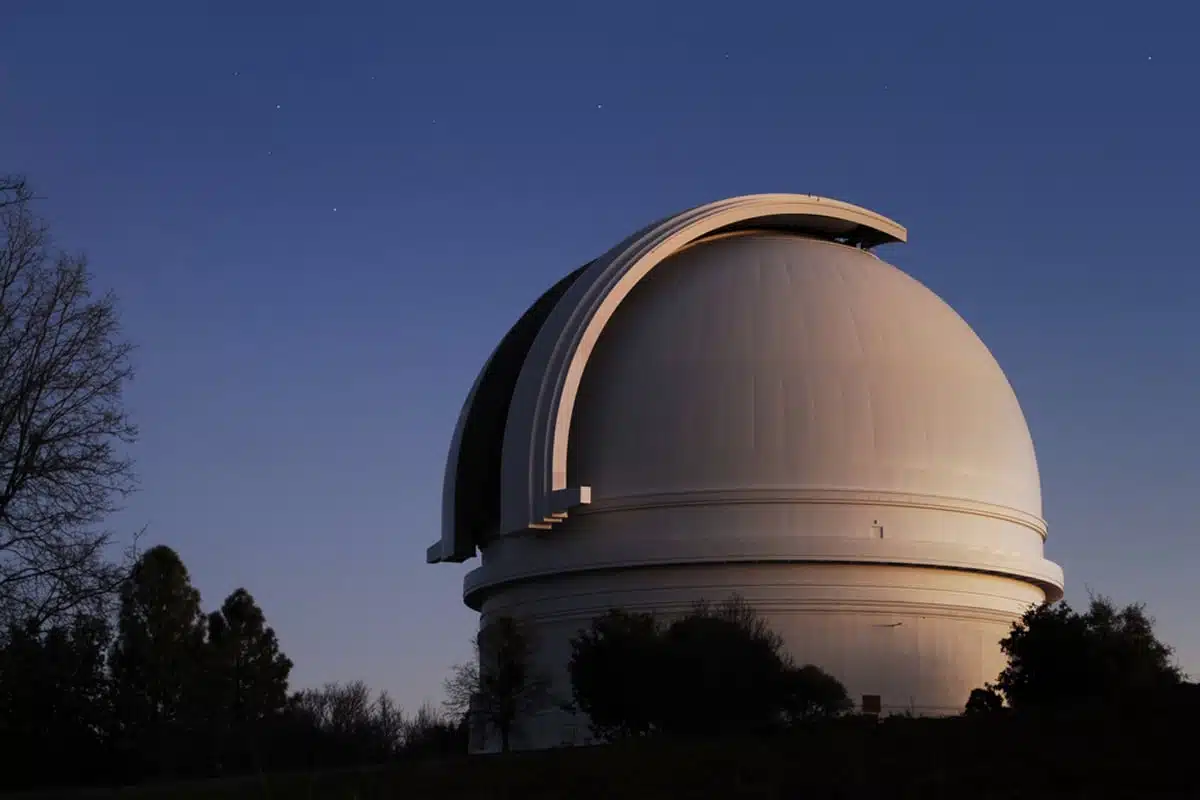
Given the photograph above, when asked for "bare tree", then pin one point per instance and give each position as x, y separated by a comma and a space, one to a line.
461, 687
434, 730
14, 190
389, 723
362, 727
63, 365
500, 686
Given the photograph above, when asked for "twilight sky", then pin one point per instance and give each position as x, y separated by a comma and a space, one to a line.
320, 218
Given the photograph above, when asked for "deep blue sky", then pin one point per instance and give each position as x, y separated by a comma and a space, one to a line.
321, 217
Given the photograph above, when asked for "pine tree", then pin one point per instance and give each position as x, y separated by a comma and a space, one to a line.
247, 678
246, 659
156, 661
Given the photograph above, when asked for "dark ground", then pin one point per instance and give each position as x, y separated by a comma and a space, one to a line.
1153, 757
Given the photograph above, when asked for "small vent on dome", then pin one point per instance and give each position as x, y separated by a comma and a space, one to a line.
876, 530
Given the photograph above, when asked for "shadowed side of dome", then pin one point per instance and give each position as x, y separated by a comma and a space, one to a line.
471, 491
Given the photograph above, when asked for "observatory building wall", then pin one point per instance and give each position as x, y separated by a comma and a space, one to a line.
743, 399
918, 638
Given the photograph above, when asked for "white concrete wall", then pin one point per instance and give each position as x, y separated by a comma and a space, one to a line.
920, 638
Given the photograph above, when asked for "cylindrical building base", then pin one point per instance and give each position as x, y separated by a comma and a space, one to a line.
918, 639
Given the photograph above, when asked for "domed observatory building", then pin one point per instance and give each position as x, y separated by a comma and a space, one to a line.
744, 398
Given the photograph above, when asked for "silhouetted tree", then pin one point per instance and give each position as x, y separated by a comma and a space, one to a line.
246, 677
432, 732
502, 685
54, 699
810, 692
156, 662
616, 670
716, 670
343, 710
983, 701
14, 190
349, 726
726, 672
1060, 658
63, 426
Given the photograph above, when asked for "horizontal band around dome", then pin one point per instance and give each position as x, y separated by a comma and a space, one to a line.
583, 613
860, 497
538, 563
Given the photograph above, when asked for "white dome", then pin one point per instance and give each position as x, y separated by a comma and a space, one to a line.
742, 398
768, 361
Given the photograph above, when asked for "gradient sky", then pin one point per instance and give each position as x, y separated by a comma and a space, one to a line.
320, 218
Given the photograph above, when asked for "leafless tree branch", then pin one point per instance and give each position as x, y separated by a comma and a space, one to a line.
63, 426
14, 190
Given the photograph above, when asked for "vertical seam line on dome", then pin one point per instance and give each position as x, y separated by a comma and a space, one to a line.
862, 354
755, 348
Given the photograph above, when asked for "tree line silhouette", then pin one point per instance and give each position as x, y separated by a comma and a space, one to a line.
110, 671
171, 692
721, 671
717, 670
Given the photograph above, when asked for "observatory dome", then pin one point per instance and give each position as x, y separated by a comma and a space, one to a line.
771, 362
744, 398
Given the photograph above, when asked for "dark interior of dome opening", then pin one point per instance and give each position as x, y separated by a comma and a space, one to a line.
477, 473
830, 229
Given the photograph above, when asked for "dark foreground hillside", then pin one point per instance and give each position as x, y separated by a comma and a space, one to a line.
1011, 758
